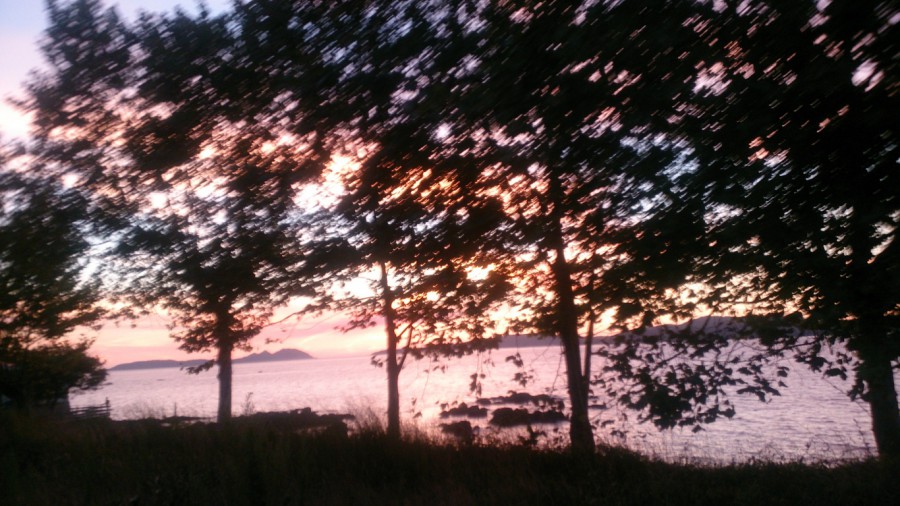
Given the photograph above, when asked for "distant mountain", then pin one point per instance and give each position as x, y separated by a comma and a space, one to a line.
527, 341
723, 326
513, 341
285, 354
156, 364
713, 326
255, 358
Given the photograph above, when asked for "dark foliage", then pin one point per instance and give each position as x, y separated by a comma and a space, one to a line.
633, 161
45, 374
785, 209
145, 463
45, 294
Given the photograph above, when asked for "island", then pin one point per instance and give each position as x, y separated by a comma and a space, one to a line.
255, 358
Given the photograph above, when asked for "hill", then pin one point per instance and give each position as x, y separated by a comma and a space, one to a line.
280, 355
704, 326
527, 341
255, 358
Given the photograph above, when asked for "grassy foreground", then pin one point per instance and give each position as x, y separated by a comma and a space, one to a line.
142, 463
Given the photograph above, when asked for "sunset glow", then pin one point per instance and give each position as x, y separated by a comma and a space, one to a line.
466, 226
150, 339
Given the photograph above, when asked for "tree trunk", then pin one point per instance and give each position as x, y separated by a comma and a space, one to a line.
877, 372
589, 341
580, 431
588, 345
224, 361
393, 373
393, 365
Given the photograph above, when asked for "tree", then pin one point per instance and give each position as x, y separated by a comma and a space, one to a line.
463, 126
220, 288
610, 160
406, 221
821, 216
200, 199
45, 374
792, 206
211, 126
45, 294
564, 111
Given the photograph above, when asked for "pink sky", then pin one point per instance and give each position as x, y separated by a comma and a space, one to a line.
149, 340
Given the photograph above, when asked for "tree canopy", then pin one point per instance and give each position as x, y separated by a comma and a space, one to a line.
788, 209
607, 164
47, 293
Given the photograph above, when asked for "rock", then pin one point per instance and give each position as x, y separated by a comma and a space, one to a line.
462, 430
509, 417
520, 398
465, 410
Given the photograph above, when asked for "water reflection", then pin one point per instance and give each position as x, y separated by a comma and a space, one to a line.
813, 420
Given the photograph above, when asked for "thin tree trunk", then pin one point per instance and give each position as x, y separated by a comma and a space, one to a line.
224, 361
877, 372
589, 341
393, 365
588, 344
580, 430
873, 346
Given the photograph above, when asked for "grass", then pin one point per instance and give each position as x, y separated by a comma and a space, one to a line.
59, 462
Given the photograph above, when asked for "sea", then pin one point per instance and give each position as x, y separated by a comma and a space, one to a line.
813, 420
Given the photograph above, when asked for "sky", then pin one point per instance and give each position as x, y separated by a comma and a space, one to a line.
21, 25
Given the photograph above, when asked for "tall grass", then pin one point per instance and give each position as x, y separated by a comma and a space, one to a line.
54, 462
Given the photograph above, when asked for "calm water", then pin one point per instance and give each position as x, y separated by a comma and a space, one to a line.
813, 420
